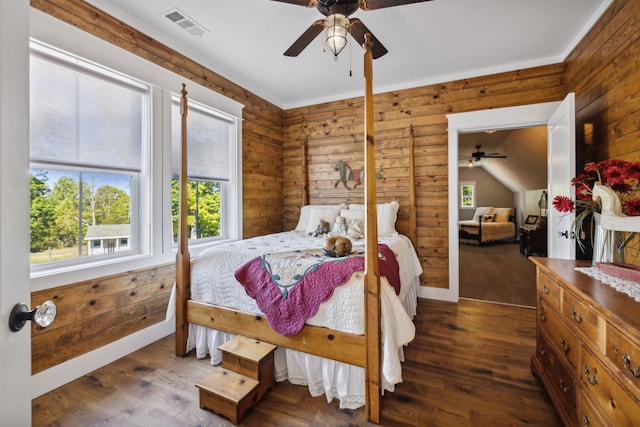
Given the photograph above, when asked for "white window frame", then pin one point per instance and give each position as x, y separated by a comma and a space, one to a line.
156, 231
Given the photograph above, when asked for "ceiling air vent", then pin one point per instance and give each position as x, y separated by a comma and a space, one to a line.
185, 22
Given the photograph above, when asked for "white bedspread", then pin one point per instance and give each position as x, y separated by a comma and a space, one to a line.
212, 281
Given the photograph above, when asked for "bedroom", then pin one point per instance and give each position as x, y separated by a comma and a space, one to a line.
514, 179
271, 167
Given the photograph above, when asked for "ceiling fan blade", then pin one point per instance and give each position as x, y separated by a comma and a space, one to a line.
381, 4
307, 3
495, 156
358, 30
306, 38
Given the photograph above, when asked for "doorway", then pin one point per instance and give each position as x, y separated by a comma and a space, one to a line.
478, 121
509, 170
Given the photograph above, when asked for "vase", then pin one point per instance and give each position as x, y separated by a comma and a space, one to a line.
606, 244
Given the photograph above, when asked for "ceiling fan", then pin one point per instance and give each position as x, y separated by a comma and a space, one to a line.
337, 24
478, 155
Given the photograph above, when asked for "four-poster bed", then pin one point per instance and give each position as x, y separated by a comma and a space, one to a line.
354, 349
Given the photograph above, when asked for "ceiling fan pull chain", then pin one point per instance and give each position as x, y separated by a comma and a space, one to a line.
350, 54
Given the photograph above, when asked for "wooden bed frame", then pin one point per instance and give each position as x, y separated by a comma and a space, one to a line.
358, 350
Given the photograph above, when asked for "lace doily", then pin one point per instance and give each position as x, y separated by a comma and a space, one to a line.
628, 287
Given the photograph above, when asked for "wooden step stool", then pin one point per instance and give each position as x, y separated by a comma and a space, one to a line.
243, 378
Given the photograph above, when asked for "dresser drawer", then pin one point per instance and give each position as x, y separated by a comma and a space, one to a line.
559, 379
624, 354
560, 336
588, 415
548, 290
582, 316
619, 406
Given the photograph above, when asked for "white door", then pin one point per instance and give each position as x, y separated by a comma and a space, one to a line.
562, 161
15, 357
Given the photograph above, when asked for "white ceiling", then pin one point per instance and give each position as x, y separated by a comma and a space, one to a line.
429, 42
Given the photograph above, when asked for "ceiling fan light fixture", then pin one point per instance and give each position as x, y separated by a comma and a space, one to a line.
336, 33
470, 163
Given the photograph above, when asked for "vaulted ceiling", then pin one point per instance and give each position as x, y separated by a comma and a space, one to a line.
524, 168
429, 42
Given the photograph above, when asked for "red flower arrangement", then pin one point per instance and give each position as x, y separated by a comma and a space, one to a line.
621, 176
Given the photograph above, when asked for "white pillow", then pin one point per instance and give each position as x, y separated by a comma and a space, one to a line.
303, 221
387, 215
353, 214
317, 214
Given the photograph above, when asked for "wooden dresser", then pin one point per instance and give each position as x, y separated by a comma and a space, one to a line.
588, 346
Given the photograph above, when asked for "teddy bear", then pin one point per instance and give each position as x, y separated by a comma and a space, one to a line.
355, 229
339, 227
323, 228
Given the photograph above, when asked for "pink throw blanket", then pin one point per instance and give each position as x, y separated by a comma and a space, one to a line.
288, 287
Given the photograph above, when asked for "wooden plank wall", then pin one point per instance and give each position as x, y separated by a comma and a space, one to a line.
93, 313
97, 312
334, 131
604, 73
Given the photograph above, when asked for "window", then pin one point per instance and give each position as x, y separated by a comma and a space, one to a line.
467, 195
132, 155
210, 136
89, 130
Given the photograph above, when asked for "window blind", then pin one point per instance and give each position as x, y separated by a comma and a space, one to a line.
209, 136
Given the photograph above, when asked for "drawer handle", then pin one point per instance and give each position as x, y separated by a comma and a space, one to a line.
563, 385
591, 380
541, 315
565, 346
546, 289
585, 420
541, 350
627, 365
577, 317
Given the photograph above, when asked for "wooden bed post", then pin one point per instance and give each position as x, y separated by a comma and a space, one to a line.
371, 272
305, 175
413, 228
183, 259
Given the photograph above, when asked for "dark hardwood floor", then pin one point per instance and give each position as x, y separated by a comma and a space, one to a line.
497, 272
468, 366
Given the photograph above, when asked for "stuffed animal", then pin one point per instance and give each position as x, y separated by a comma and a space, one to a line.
340, 246
323, 228
339, 227
355, 229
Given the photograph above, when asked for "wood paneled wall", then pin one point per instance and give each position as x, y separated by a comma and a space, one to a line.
334, 131
94, 313
604, 73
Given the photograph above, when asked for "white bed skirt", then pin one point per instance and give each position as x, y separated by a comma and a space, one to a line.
322, 376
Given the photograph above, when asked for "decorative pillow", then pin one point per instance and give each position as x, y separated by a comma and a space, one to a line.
303, 221
482, 211
352, 214
502, 214
488, 217
325, 214
387, 215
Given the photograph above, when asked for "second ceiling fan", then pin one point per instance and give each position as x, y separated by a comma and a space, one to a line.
338, 24
478, 155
